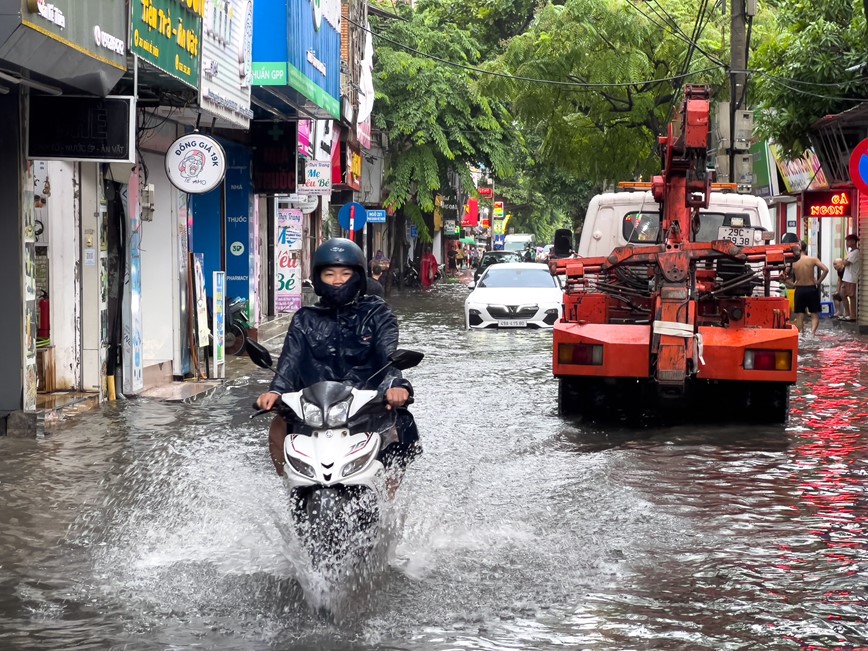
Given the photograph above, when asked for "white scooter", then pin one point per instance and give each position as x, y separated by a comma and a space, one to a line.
334, 466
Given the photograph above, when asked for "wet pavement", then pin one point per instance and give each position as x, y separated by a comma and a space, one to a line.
150, 525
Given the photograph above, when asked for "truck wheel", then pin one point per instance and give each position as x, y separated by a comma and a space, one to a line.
769, 403
568, 397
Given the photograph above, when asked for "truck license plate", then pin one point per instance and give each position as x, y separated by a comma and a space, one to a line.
738, 236
512, 323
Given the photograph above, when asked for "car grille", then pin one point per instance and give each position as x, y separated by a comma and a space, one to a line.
512, 311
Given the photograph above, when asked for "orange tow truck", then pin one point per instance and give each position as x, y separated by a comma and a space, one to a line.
678, 324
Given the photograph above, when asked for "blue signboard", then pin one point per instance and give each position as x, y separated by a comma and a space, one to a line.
357, 212
376, 216
314, 64
239, 188
270, 47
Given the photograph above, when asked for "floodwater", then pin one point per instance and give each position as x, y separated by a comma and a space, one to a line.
149, 525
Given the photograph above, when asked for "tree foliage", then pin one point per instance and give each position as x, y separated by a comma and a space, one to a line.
801, 67
602, 133
437, 119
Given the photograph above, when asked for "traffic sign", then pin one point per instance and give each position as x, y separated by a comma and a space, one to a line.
859, 166
376, 216
352, 216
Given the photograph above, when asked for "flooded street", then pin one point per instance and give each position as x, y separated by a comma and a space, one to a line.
150, 525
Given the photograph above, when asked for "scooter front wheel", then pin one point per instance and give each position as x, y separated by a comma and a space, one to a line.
236, 340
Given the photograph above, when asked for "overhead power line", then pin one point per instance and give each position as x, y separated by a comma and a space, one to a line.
505, 75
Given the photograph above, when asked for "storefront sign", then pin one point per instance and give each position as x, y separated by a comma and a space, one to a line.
97, 29
291, 230
287, 268
239, 227
828, 203
82, 128
274, 157
305, 138
168, 35
317, 178
315, 26
227, 40
800, 174
195, 163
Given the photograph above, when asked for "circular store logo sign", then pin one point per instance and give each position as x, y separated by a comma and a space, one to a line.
195, 163
236, 248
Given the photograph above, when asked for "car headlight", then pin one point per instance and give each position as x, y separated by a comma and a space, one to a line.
338, 413
300, 467
356, 464
312, 414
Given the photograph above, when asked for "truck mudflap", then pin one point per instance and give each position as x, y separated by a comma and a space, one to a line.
749, 354
601, 350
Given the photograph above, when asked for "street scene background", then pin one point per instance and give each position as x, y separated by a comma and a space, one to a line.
153, 525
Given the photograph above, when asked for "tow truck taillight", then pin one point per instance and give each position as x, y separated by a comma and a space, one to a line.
768, 360
581, 354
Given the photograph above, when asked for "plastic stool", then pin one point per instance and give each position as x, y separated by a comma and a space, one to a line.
827, 310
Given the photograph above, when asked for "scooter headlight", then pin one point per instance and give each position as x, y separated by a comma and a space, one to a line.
312, 414
300, 467
338, 413
356, 464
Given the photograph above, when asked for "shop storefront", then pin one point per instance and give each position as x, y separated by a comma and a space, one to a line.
52, 142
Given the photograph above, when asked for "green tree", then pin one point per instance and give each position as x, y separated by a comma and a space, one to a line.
605, 133
801, 67
437, 119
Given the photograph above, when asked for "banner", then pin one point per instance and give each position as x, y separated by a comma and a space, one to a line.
800, 174
218, 323
287, 265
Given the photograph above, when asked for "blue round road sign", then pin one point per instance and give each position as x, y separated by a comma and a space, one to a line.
859, 166
353, 210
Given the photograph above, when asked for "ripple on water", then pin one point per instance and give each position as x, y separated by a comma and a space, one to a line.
159, 526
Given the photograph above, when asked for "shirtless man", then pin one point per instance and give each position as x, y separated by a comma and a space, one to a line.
803, 276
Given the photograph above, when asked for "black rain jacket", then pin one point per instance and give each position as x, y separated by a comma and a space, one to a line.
347, 344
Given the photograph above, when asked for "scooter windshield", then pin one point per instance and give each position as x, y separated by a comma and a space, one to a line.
326, 393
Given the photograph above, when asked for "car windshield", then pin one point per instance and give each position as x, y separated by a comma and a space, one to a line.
644, 227
497, 277
493, 258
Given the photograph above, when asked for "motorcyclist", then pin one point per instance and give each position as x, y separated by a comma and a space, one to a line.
346, 337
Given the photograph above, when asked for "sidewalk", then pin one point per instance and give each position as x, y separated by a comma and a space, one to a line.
53, 408
191, 390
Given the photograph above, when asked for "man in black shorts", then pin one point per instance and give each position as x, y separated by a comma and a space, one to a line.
803, 276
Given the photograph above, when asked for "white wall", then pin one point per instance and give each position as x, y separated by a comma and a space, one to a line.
159, 267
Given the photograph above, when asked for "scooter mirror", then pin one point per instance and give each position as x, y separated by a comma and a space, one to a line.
404, 359
258, 354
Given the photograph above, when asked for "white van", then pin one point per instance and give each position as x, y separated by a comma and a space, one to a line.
616, 219
518, 241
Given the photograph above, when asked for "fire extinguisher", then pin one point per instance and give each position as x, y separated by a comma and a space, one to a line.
44, 330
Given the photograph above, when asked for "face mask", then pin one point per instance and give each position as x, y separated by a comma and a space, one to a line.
334, 296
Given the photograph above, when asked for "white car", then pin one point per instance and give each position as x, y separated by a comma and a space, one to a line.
514, 295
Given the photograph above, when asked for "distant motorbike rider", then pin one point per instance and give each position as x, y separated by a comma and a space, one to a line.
346, 337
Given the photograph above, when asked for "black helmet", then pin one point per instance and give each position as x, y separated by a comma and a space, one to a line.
339, 252
790, 238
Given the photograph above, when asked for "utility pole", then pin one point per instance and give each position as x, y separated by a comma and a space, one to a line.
737, 78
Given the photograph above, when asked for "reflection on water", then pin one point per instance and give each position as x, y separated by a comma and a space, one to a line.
149, 525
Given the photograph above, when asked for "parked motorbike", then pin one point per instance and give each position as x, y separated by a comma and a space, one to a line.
333, 454
237, 326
